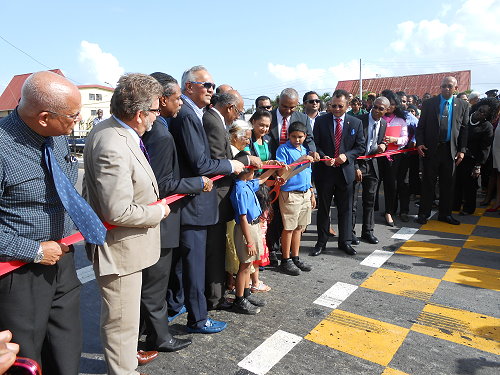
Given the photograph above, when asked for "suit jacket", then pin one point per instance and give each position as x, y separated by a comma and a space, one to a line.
164, 162
274, 137
119, 184
365, 120
352, 145
428, 126
195, 160
220, 148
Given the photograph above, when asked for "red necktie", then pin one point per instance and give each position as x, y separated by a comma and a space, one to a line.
283, 137
338, 136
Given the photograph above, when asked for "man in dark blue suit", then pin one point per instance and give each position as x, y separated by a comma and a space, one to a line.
339, 138
201, 210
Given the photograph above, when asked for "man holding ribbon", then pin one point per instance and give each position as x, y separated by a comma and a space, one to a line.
40, 301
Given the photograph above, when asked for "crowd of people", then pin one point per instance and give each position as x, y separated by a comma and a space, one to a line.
250, 188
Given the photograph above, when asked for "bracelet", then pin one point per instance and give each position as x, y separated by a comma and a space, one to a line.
249, 244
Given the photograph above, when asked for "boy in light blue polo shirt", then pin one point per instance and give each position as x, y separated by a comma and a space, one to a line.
296, 199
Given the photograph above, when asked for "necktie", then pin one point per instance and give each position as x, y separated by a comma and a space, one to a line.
283, 136
338, 136
144, 151
78, 209
443, 123
373, 139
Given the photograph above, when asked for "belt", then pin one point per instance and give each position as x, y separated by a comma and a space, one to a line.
441, 143
298, 191
254, 221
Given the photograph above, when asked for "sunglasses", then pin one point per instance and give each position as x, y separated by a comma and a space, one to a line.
377, 108
339, 106
207, 85
314, 101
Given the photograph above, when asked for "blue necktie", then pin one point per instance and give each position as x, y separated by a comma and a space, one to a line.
78, 209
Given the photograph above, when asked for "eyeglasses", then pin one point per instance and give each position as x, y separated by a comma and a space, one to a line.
268, 107
314, 101
73, 117
206, 85
237, 110
157, 111
403, 101
377, 108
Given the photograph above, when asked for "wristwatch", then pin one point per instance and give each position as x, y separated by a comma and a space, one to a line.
39, 255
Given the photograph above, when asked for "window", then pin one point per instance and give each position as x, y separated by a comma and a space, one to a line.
93, 112
98, 97
91, 96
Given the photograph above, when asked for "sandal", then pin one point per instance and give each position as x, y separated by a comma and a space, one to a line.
260, 288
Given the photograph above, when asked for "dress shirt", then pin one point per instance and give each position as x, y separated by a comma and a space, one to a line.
221, 117
369, 138
341, 123
279, 118
30, 208
189, 102
449, 102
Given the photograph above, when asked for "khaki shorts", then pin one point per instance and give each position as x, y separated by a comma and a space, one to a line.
295, 209
241, 245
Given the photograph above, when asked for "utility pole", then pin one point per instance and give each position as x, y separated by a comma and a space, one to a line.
360, 82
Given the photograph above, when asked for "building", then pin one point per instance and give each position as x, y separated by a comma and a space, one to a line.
94, 97
413, 85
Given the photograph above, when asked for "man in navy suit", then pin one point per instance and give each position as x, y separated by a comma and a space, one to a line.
339, 138
199, 211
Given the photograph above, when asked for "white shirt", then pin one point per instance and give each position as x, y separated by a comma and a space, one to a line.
279, 118
371, 122
341, 123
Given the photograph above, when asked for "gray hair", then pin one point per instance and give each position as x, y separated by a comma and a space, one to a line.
383, 100
227, 98
134, 92
46, 91
289, 93
239, 128
188, 75
474, 95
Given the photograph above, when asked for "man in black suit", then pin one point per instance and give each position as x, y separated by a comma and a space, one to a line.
367, 169
229, 107
199, 211
163, 157
441, 143
339, 138
282, 117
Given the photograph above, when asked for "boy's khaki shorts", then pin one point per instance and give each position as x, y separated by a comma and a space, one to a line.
241, 245
295, 209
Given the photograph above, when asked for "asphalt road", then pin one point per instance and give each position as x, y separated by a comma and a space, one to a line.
425, 300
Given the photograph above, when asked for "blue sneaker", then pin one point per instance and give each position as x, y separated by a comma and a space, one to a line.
211, 326
181, 311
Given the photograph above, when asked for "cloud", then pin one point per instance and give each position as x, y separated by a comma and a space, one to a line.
103, 66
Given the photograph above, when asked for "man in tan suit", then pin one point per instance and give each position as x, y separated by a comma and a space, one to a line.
119, 184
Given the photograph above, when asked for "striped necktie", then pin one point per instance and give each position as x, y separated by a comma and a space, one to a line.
338, 136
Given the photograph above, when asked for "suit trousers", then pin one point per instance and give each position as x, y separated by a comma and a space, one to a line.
40, 305
154, 313
369, 183
441, 165
465, 187
192, 248
215, 266
333, 184
120, 314
175, 291
274, 229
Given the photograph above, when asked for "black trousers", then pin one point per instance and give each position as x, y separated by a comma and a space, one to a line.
333, 184
215, 264
40, 305
395, 176
465, 187
369, 184
274, 229
415, 184
154, 311
441, 165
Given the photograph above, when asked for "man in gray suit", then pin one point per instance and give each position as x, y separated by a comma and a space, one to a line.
120, 185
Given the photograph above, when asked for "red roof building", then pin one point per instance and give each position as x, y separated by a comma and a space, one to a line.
412, 85
10, 97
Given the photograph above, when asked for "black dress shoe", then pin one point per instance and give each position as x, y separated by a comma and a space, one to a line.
449, 219
370, 238
355, 240
347, 248
317, 250
174, 344
273, 259
421, 219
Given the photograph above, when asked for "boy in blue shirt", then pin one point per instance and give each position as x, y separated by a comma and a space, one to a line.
296, 200
247, 236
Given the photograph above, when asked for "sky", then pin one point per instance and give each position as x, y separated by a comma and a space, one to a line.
258, 47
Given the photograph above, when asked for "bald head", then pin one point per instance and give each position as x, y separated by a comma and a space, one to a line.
224, 88
448, 86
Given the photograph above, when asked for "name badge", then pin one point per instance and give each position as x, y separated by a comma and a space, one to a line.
353, 131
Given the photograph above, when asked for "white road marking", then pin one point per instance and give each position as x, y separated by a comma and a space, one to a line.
337, 294
404, 233
85, 274
377, 258
270, 352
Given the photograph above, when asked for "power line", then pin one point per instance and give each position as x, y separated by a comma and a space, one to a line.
26, 53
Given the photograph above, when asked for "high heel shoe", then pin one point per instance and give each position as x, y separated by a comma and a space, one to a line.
493, 209
387, 221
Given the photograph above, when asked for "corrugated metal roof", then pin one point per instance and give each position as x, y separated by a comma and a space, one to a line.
12, 93
413, 85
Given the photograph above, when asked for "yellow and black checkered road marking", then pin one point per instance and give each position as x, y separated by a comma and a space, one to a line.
378, 341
